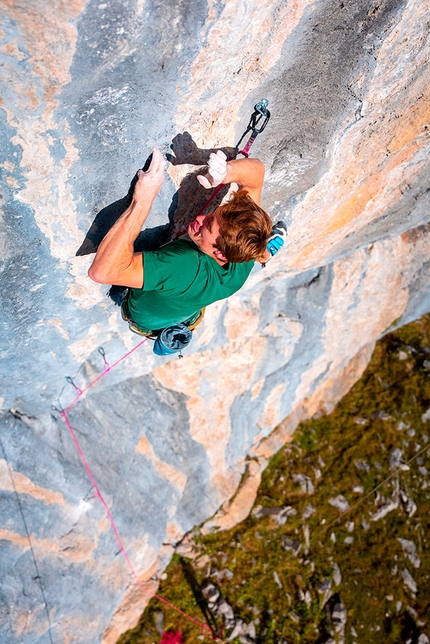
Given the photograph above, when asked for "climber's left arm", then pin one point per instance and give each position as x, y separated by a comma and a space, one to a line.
115, 261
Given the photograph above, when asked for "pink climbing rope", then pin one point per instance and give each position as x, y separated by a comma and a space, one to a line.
209, 201
170, 637
216, 192
98, 494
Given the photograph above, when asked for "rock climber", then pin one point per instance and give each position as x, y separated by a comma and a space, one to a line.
175, 283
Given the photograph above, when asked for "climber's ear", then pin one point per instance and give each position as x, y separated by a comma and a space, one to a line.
218, 254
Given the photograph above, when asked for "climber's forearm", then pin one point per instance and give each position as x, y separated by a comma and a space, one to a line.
248, 174
115, 261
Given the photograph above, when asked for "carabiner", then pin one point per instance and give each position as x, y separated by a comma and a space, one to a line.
262, 106
260, 111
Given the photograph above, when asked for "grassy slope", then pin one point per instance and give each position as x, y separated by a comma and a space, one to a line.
380, 607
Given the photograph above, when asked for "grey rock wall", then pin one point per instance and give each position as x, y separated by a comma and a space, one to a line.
88, 88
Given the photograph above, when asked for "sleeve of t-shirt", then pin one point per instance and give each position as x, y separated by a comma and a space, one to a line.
172, 268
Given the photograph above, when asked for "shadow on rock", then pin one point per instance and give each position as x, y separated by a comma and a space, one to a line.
148, 239
190, 197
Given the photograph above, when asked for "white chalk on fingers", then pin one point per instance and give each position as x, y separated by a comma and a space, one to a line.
203, 181
216, 165
216, 175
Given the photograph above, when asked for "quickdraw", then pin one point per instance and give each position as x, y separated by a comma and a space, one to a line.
260, 112
260, 115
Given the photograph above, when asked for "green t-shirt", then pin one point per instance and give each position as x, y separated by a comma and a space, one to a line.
179, 280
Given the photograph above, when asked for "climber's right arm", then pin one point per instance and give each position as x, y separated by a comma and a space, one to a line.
247, 173
115, 261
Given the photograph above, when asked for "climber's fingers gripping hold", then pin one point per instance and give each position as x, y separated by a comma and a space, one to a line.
149, 182
217, 170
277, 238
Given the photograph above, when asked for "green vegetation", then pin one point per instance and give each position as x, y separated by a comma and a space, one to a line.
298, 556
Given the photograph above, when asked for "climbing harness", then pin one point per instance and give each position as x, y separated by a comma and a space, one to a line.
170, 340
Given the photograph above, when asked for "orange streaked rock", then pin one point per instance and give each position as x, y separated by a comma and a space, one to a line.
233, 513
322, 400
72, 547
13, 481
167, 471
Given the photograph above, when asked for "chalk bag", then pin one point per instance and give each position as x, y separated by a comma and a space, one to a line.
172, 340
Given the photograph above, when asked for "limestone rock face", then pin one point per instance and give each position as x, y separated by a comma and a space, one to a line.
88, 89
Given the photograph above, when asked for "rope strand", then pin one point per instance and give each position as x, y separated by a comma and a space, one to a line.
99, 495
